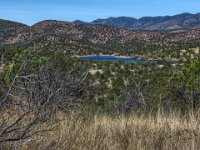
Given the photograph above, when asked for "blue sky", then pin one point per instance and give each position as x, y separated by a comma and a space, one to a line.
32, 11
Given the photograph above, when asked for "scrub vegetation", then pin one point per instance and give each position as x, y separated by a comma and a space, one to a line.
50, 100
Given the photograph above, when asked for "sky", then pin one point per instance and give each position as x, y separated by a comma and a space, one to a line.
33, 11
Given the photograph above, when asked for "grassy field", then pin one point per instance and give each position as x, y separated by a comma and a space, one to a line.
134, 132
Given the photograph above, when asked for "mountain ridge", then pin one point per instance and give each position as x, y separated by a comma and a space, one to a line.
176, 22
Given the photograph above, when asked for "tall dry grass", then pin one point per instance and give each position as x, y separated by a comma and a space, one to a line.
134, 132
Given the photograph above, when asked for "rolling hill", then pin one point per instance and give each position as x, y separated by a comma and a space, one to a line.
17, 34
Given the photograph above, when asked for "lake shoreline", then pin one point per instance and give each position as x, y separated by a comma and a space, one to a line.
114, 58
137, 58
78, 56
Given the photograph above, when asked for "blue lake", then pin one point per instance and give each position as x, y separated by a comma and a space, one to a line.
115, 58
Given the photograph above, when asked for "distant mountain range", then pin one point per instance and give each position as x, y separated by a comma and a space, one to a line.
177, 22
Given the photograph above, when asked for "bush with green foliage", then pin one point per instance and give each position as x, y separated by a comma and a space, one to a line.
185, 86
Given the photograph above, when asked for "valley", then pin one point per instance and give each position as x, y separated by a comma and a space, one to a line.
83, 85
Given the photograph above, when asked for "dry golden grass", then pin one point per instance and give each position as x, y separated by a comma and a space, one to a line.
134, 132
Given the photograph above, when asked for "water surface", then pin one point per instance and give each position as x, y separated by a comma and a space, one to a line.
115, 58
